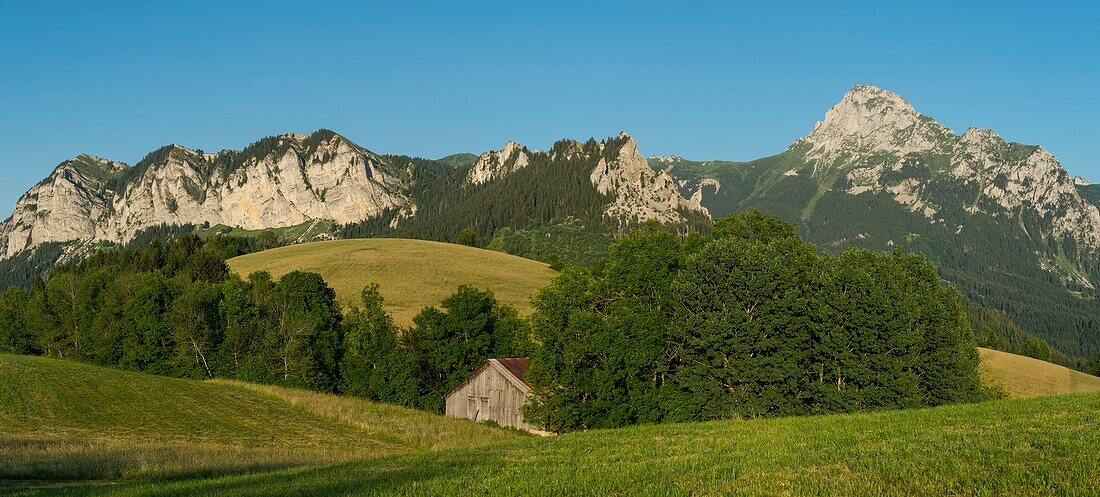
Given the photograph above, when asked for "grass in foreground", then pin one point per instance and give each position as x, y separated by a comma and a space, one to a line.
66, 420
1024, 377
412, 274
1011, 447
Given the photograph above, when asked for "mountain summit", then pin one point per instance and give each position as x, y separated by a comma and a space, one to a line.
870, 120
1006, 223
278, 181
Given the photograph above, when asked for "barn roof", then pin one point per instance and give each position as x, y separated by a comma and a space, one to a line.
515, 365
513, 368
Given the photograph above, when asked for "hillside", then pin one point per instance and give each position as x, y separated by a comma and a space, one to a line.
63, 419
412, 274
1010, 447
1004, 221
1026, 377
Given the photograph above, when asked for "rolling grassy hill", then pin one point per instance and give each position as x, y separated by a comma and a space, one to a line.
62, 419
412, 274
1025, 377
1042, 446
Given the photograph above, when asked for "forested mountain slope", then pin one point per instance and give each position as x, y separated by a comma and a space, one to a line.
1004, 221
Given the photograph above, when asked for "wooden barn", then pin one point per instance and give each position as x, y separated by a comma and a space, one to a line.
494, 392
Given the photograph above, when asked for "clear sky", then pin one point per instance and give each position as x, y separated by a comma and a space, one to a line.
723, 80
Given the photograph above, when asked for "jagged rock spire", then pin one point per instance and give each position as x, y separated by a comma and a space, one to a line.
495, 164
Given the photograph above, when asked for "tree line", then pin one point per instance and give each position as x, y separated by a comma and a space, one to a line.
749, 320
175, 309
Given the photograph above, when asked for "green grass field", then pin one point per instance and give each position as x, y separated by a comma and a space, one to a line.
1025, 377
66, 420
73, 429
412, 274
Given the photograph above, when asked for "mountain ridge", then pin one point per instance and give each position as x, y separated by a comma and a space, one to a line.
275, 182
1005, 222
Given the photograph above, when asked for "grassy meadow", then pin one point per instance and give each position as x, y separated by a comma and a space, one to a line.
412, 274
1043, 446
64, 420
1021, 376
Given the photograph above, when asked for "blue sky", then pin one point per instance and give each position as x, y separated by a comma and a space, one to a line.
726, 80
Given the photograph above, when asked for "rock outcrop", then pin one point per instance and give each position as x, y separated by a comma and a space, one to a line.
639, 192
498, 163
280, 181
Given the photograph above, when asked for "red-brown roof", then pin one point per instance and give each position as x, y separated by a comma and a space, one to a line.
517, 366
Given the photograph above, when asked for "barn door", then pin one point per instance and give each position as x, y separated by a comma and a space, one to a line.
496, 404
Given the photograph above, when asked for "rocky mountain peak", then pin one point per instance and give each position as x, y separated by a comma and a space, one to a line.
975, 135
1081, 181
629, 148
871, 120
92, 166
296, 137
495, 164
639, 192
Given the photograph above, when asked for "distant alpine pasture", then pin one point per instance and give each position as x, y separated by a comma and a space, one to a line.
411, 274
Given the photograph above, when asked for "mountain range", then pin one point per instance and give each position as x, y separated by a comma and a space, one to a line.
1004, 221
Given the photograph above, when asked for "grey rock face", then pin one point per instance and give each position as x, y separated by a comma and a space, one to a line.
291, 179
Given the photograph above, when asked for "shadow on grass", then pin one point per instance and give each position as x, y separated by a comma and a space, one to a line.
382, 476
44, 459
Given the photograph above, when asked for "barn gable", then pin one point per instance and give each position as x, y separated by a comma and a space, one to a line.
495, 391
514, 369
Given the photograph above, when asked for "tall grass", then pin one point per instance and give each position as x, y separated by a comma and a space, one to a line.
1009, 447
66, 420
410, 428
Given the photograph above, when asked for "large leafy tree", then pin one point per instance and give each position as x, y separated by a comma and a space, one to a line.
603, 355
375, 366
239, 353
303, 337
15, 337
197, 329
146, 337
746, 312
448, 343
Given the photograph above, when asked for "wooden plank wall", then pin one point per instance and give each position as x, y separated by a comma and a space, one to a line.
489, 396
